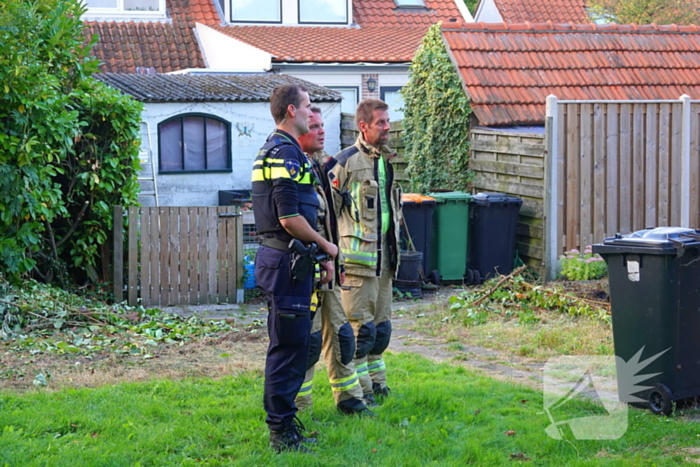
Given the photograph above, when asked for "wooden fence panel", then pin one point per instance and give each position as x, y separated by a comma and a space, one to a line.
181, 255
622, 168
694, 165
625, 167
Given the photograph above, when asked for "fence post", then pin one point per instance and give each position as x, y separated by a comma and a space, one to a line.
551, 219
685, 161
118, 275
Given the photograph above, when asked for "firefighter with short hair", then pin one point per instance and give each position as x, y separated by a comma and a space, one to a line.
369, 239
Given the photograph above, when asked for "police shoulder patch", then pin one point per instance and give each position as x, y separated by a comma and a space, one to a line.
293, 167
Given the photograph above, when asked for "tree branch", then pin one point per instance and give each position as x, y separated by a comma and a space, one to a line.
75, 224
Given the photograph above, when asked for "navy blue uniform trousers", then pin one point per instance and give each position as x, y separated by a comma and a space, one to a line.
289, 327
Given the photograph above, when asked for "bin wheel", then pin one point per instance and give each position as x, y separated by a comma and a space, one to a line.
477, 277
434, 277
469, 277
660, 401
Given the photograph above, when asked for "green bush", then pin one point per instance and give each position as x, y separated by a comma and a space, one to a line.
436, 120
577, 266
68, 145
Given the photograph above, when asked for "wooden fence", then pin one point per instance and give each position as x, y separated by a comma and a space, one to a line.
349, 133
619, 166
512, 162
178, 255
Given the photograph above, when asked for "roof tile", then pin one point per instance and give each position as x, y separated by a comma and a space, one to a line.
340, 44
508, 70
541, 11
249, 87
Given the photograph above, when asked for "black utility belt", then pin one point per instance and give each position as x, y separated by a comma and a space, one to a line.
276, 243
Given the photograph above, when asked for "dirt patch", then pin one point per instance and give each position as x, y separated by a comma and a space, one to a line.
230, 353
244, 350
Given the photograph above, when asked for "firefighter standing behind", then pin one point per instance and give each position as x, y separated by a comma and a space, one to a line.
285, 206
369, 239
330, 329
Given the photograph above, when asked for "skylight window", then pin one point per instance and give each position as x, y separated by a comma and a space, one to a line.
410, 3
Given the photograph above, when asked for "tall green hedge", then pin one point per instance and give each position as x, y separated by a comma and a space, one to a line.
436, 120
68, 145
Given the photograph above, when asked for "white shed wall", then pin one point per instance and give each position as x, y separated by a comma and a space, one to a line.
202, 189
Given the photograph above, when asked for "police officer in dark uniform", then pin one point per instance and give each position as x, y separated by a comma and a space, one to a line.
286, 208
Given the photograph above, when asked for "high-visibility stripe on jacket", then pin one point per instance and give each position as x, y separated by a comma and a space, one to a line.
279, 165
360, 222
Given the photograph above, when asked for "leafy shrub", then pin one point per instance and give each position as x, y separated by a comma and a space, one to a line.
68, 145
436, 120
577, 266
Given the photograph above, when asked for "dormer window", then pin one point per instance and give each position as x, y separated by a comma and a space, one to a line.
410, 3
132, 9
289, 12
256, 11
323, 11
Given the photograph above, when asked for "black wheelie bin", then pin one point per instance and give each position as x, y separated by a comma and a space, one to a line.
654, 279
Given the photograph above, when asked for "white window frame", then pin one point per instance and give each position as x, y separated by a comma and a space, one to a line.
347, 15
402, 4
229, 15
382, 95
120, 13
356, 89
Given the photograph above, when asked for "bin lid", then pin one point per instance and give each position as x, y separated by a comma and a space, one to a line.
444, 196
416, 198
495, 198
661, 239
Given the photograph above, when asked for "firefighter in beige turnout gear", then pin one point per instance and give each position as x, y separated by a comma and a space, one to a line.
369, 238
330, 332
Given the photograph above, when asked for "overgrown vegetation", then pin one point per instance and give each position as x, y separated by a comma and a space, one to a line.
436, 120
41, 318
68, 146
514, 296
582, 266
686, 12
517, 317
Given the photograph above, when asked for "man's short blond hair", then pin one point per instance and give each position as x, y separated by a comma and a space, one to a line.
366, 108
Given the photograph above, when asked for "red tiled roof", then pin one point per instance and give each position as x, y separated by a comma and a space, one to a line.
384, 13
296, 44
541, 11
508, 70
385, 34
166, 46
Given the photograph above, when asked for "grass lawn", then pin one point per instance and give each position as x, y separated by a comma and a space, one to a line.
438, 415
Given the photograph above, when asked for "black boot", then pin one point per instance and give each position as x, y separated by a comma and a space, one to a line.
380, 391
286, 439
299, 429
369, 400
354, 407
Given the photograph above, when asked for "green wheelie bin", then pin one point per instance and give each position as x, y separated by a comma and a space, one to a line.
448, 258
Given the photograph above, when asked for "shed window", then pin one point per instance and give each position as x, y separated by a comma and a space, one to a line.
194, 143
